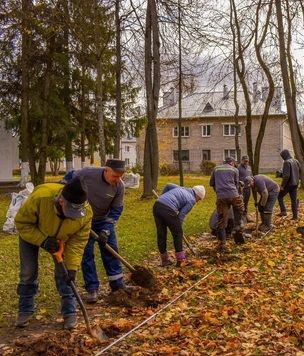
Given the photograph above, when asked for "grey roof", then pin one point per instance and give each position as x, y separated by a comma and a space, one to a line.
197, 105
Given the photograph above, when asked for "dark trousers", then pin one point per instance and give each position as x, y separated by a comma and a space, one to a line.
166, 218
223, 209
292, 191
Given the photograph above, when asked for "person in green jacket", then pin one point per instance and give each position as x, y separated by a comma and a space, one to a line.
52, 212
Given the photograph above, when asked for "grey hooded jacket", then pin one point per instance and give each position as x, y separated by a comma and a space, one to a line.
291, 170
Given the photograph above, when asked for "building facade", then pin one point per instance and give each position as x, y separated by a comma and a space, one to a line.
208, 129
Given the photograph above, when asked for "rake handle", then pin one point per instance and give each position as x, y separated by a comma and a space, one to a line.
115, 254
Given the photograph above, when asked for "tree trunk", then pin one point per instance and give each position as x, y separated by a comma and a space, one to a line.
25, 92
258, 47
99, 103
152, 75
287, 76
117, 138
66, 90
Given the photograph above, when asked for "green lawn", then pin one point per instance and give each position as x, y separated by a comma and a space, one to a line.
136, 240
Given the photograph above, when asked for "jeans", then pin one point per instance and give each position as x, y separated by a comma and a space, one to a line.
28, 285
164, 218
292, 190
111, 264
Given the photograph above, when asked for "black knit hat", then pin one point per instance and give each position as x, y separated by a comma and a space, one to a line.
116, 164
74, 196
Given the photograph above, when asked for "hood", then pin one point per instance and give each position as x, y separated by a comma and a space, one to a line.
285, 154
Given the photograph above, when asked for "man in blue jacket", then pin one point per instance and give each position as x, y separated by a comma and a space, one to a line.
289, 185
169, 211
106, 196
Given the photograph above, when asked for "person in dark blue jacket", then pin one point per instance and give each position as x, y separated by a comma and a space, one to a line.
169, 211
106, 196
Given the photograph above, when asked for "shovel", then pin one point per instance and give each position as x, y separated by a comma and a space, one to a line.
140, 275
97, 333
184, 237
257, 221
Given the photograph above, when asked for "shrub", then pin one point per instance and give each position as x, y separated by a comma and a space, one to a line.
137, 168
207, 167
17, 171
169, 169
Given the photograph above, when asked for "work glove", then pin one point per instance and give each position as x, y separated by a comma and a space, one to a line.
241, 184
50, 244
103, 237
70, 277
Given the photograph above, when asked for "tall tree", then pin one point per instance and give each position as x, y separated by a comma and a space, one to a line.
288, 82
25, 63
117, 137
152, 75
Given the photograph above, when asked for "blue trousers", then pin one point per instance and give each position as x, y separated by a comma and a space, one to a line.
292, 190
28, 285
111, 264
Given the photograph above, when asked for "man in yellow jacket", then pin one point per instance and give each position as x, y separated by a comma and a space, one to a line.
52, 212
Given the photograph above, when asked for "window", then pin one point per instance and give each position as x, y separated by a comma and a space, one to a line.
127, 161
127, 148
184, 133
230, 153
185, 155
206, 155
206, 130
229, 130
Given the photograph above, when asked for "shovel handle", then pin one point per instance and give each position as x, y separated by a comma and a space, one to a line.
58, 254
114, 253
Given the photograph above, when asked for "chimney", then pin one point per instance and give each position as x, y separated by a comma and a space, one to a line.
277, 98
255, 93
168, 98
264, 93
225, 91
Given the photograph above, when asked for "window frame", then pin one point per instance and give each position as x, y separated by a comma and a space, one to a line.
206, 126
209, 155
175, 131
175, 154
228, 153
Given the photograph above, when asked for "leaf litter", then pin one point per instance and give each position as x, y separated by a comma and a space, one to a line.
252, 305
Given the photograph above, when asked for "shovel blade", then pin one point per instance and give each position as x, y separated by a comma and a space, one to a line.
98, 333
238, 238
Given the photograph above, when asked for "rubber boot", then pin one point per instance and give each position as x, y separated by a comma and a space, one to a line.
165, 261
238, 220
267, 222
221, 235
261, 226
180, 258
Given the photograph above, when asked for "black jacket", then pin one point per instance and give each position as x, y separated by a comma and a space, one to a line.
291, 170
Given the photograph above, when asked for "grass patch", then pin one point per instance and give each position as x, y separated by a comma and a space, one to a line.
136, 236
